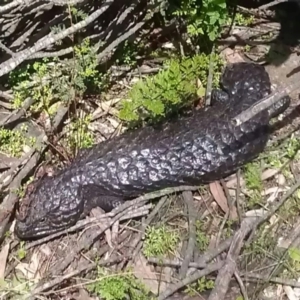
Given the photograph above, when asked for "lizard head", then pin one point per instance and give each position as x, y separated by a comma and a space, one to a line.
52, 206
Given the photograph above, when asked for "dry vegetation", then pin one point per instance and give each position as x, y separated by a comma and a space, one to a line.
67, 71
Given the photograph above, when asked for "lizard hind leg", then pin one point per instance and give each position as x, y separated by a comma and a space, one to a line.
95, 196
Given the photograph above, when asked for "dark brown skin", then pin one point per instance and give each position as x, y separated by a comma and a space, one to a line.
193, 150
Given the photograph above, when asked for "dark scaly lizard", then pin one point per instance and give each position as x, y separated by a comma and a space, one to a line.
193, 150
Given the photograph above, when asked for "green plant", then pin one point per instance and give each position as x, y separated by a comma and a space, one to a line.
51, 80
202, 284
117, 286
13, 141
253, 180
201, 237
159, 241
253, 176
79, 134
128, 53
241, 20
172, 88
204, 17
22, 252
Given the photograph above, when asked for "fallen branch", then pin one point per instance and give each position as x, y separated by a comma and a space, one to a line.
266, 102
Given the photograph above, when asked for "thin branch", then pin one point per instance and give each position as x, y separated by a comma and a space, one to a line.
213, 267
13, 4
66, 2
273, 3
50, 39
266, 102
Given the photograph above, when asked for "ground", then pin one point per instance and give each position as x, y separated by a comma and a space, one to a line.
125, 257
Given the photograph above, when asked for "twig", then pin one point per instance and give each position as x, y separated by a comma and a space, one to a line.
31, 159
237, 194
14, 4
84, 268
209, 78
273, 3
256, 277
211, 254
213, 267
120, 39
247, 225
188, 197
201, 262
113, 213
7, 50
66, 2
6, 95
241, 284
266, 102
50, 39
225, 274
137, 241
133, 213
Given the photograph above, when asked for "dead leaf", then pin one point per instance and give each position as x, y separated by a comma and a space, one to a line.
31, 270
219, 196
232, 183
281, 179
3, 258
232, 56
290, 293
269, 173
144, 273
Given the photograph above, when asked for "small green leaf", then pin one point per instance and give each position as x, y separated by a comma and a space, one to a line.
201, 91
294, 253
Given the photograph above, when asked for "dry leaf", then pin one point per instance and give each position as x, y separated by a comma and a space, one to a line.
219, 196
290, 293
281, 179
254, 213
232, 56
142, 270
3, 258
269, 173
31, 269
232, 183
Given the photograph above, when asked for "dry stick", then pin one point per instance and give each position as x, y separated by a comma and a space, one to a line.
213, 267
256, 277
6, 95
241, 284
132, 213
66, 2
7, 206
202, 261
266, 102
7, 50
138, 201
209, 78
50, 39
104, 249
121, 39
32, 157
273, 3
248, 224
119, 212
85, 267
18, 113
85, 243
137, 244
188, 196
225, 274
14, 4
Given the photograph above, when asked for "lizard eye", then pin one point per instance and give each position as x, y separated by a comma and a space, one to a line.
43, 220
